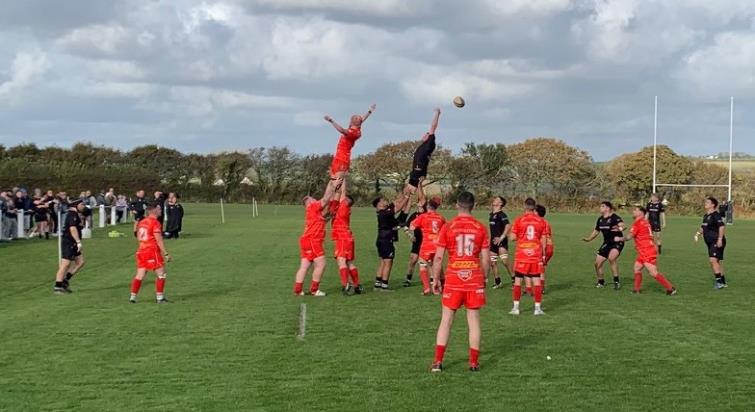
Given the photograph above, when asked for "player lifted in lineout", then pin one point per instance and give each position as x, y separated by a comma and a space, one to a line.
311, 242
466, 241
647, 253
342, 159
657, 218
422, 154
430, 223
343, 241
528, 231
611, 226
149, 256
499, 240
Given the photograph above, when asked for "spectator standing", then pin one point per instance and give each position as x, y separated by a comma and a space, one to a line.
174, 214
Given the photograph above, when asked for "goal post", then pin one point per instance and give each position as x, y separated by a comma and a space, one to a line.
656, 184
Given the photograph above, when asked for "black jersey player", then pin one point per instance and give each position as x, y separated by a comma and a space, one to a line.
713, 231
610, 225
499, 240
657, 217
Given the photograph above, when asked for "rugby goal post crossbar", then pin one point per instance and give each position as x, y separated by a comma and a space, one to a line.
655, 154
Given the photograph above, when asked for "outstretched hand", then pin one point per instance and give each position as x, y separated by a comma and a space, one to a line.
373, 107
328, 119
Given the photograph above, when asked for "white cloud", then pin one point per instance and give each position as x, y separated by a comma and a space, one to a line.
540, 7
724, 68
375, 7
26, 69
605, 32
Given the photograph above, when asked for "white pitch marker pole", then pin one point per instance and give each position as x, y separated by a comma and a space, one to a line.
302, 321
20, 224
222, 211
102, 216
113, 219
731, 142
655, 143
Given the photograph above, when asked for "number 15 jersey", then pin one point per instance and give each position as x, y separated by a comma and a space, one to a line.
463, 238
529, 229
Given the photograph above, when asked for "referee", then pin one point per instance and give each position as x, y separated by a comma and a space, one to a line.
70, 247
713, 230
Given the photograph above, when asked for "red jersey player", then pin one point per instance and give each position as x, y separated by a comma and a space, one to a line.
647, 252
430, 223
149, 256
343, 240
311, 241
342, 159
528, 231
468, 245
541, 211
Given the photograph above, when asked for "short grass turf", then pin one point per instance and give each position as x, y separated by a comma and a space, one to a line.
228, 341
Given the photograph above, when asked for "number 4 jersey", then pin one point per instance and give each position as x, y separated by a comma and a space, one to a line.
464, 237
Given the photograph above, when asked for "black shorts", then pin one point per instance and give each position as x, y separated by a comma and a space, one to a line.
656, 226
421, 160
385, 249
68, 249
605, 248
40, 218
495, 250
716, 252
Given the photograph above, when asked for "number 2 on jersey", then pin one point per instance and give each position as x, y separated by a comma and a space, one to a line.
465, 245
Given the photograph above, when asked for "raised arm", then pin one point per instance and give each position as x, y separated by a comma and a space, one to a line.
369, 112
401, 202
330, 190
434, 123
335, 125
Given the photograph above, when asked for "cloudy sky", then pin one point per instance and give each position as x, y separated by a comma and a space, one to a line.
206, 76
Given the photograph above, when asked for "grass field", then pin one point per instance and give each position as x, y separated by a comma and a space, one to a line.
228, 340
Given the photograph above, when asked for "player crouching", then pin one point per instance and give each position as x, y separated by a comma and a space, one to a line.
466, 240
149, 256
647, 252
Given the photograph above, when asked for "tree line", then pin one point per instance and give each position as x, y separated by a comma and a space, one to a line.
559, 175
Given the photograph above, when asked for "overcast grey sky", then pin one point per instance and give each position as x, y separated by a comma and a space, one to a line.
206, 76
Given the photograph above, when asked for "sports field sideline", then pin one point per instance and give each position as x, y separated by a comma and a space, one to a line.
228, 340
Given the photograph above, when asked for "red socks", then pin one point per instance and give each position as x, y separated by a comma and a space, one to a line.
663, 281
160, 285
314, 287
355, 276
516, 293
474, 357
538, 293
425, 277
344, 272
637, 281
440, 351
298, 288
136, 284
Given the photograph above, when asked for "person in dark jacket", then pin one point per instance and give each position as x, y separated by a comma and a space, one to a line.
174, 214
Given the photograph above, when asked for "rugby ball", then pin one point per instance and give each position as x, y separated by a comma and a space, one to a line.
459, 101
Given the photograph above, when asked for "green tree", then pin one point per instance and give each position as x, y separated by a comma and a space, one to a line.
632, 173
545, 164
